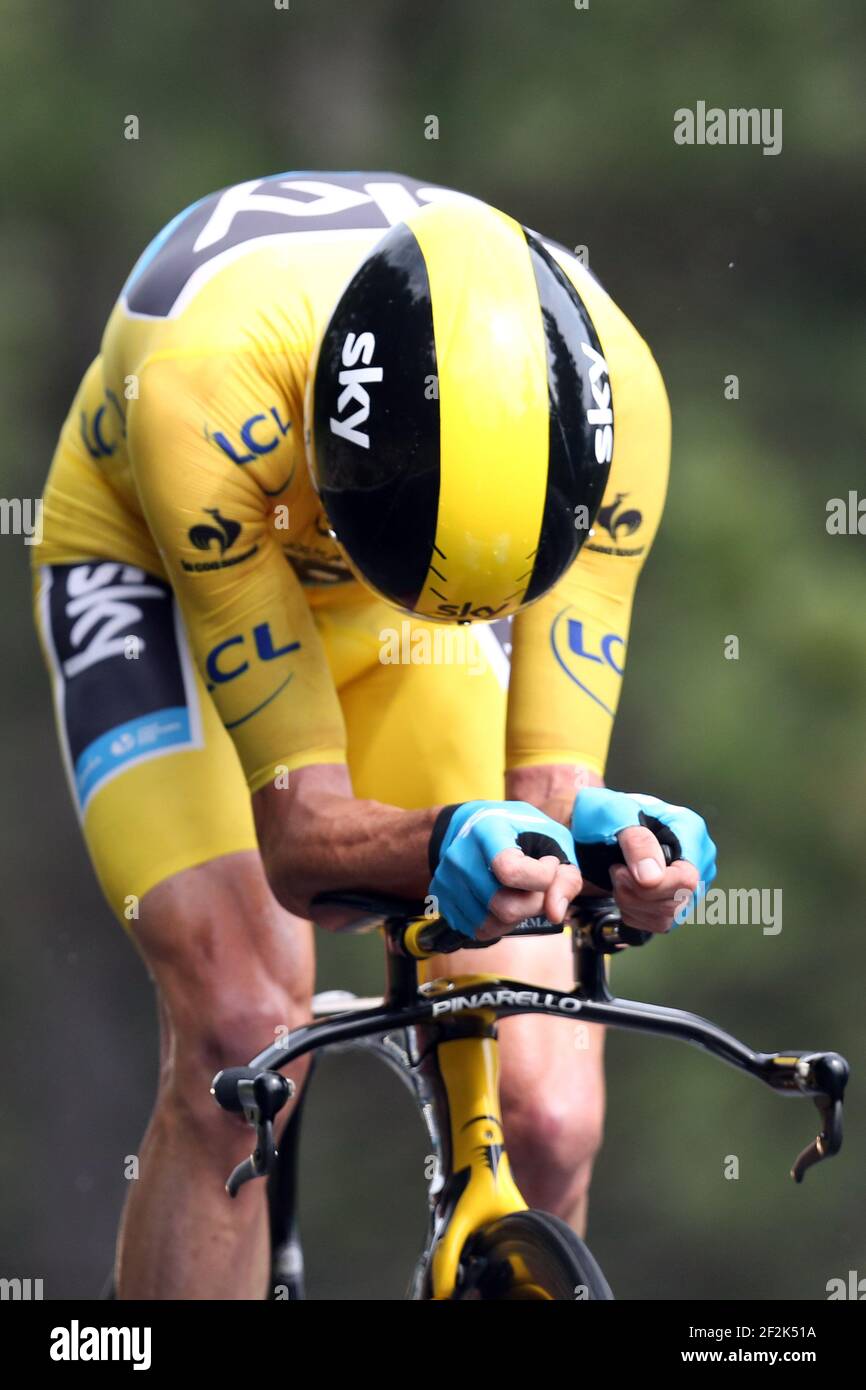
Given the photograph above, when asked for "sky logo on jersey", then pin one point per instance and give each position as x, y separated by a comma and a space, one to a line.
356, 348
196, 243
123, 675
592, 659
103, 620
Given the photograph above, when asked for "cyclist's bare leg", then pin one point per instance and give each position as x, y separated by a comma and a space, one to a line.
552, 1083
231, 967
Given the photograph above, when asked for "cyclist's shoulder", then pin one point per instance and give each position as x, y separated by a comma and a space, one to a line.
263, 259
292, 223
620, 338
253, 268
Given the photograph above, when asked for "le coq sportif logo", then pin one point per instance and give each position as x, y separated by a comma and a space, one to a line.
216, 537
220, 531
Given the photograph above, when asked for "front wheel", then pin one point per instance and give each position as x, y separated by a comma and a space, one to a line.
528, 1255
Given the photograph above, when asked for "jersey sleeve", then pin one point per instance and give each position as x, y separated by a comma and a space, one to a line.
569, 648
214, 455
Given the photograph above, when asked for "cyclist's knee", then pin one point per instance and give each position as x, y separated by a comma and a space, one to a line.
230, 1028
233, 970
226, 1030
552, 1146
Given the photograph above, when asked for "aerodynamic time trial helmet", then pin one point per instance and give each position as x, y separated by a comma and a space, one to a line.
458, 416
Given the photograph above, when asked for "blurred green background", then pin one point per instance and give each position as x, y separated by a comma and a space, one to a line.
728, 262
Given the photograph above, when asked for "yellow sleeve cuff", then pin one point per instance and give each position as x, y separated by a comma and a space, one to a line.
556, 756
281, 767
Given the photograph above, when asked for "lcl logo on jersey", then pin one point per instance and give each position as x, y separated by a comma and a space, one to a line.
601, 414
607, 651
266, 650
256, 436
356, 348
588, 658
100, 439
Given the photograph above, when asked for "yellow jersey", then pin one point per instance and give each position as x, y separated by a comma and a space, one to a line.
183, 455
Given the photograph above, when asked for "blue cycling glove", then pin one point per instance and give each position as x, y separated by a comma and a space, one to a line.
600, 814
464, 843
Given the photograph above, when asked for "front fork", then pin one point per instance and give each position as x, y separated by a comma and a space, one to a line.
459, 1079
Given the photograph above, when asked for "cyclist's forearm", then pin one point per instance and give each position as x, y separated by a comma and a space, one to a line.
317, 837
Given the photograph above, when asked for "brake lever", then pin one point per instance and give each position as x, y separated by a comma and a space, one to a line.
828, 1142
260, 1162
260, 1097
827, 1073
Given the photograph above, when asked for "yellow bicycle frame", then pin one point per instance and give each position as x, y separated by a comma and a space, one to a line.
479, 1186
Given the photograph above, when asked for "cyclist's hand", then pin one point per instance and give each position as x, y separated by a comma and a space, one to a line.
496, 862
650, 896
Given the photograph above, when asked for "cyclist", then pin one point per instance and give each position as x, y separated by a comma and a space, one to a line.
330, 413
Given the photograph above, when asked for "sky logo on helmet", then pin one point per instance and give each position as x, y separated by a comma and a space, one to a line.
356, 348
601, 415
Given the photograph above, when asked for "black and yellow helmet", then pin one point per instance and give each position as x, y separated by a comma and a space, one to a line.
459, 421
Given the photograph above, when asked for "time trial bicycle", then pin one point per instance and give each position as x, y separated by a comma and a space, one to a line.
483, 1242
